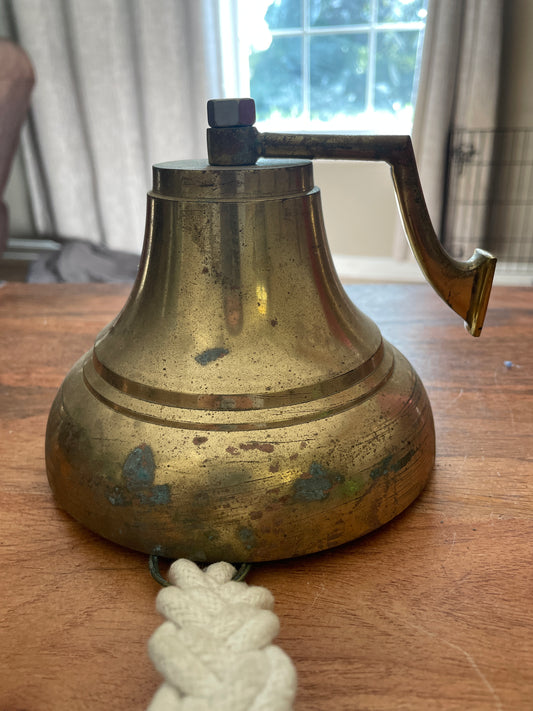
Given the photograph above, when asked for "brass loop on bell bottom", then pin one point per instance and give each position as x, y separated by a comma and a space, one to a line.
153, 564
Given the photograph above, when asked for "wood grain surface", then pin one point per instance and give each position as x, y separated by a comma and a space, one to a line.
433, 611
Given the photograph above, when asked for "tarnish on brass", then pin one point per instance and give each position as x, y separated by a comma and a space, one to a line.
240, 407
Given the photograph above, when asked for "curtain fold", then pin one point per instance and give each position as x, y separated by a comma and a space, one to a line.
121, 84
459, 88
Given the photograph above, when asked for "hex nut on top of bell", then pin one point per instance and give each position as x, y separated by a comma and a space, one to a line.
222, 113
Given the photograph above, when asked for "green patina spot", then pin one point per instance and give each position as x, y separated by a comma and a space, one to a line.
138, 474
155, 495
316, 484
389, 466
247, 537
210, 355
139, 467
354, 486
116, 497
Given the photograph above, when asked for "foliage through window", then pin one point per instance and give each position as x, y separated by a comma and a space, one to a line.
333, 64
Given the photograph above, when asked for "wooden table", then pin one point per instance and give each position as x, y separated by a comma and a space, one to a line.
434, 611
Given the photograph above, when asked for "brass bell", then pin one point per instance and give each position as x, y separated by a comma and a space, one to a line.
240, 407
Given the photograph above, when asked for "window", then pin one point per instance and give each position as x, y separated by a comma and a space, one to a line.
336, 65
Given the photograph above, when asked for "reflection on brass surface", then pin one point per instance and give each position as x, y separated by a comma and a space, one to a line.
240, 406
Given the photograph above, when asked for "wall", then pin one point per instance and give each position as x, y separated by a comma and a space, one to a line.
360, 209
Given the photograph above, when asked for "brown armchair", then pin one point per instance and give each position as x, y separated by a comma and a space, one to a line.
16, 83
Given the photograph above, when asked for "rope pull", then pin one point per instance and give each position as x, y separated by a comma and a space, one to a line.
215, 648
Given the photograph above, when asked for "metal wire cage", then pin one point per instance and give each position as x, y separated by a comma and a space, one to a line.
489, 199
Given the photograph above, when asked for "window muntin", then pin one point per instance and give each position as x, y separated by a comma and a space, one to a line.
345, 65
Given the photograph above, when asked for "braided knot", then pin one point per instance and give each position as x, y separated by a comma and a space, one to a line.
214, 649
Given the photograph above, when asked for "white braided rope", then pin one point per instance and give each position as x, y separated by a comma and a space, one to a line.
214, 649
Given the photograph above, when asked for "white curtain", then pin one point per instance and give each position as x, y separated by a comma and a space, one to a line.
459, 88
121, 84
